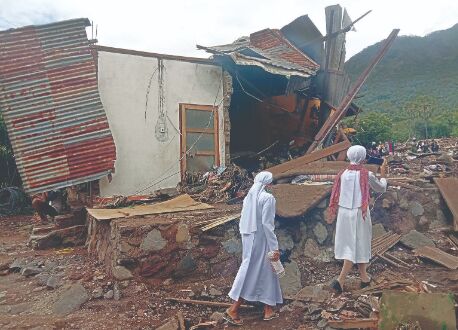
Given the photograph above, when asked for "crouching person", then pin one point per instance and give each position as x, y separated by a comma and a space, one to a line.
255, 279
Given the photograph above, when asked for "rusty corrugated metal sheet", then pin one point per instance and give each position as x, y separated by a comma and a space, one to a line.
51, 105
270, 50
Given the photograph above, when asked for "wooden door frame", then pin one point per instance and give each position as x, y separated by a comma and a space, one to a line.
215, 130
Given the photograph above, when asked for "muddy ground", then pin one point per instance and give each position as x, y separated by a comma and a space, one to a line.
142, 304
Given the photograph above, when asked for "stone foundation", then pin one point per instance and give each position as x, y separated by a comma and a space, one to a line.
170, 246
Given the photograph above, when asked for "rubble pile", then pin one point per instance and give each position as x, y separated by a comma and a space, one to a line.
220, 185
408, 163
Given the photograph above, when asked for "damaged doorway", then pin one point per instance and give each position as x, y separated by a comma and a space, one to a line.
199, 143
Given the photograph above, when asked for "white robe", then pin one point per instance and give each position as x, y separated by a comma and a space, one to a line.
353, 233
255, 280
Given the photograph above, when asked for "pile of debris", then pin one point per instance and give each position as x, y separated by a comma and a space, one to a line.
223, 184
428, 165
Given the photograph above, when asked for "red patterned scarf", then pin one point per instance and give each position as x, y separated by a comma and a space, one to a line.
364, 185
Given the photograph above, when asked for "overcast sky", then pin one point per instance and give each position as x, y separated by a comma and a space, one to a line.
176, 26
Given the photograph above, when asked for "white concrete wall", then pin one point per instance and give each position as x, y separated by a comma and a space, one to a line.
141, 159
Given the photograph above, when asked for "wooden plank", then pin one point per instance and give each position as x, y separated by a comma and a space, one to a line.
203, 302
220, 221
295, 200
341, 110
437, 255
314, 156
181, 203
371, 323
448, 188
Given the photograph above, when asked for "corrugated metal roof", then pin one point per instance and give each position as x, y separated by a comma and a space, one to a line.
271, 50
51, 105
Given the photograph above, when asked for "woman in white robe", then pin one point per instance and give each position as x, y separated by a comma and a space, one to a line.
255, 279
354, 227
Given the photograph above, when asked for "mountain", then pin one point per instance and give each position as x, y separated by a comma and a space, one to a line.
413, 66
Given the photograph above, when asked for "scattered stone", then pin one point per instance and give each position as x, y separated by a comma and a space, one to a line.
440, 220
53, 282
109, 294
124, 247
215, 292
217, 317
182, 233
42, 278
172, 324
185, 266
424, 221
311, 248
168, 281
30, 271
386, 203
285, 241
325, 255
322, 323
153, 241
70, 300
38, 289
233, 245
291, 282
314, 309
416, 209
121, 273
414, 240
50, 265
321, 233
116, 292
404, 203
17, 265
378, 230
314, 293
97, 293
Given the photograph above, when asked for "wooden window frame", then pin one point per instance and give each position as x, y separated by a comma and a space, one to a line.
211, 130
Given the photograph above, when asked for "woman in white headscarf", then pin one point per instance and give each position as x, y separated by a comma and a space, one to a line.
255, 280
350, 200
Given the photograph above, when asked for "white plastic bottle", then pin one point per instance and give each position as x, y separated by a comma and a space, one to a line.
276, 265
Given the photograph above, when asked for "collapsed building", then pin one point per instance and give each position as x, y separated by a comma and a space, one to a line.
131, 123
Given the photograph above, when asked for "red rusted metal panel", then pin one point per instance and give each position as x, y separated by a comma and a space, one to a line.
51, 105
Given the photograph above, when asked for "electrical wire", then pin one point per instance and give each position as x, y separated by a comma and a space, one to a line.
155, 181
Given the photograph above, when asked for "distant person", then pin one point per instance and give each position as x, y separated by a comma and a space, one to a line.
41, 204
350, 201
434, 146
256, 280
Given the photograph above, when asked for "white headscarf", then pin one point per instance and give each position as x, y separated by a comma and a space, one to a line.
356, 154
250, 203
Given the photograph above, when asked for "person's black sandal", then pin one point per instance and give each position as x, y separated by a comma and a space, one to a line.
365, 284
336, 286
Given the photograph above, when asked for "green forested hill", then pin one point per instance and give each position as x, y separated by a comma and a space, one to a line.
416, 70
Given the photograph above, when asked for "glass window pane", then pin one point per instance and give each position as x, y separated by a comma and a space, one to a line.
199, 163
199, 119
205, 143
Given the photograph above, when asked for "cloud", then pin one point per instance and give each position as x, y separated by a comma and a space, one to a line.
176, 26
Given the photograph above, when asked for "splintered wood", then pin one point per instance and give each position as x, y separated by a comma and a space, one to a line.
384, 242
438, 256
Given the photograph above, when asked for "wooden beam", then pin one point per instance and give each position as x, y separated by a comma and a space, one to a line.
354, 324
203, 302
314, 156
341, 110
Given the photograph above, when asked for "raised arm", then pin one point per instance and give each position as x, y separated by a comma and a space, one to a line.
376, 184
268, 216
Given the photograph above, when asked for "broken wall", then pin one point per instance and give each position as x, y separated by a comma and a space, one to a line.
136, 89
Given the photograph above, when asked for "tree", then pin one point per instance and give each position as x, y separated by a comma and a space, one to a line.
373, 127
420, 111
